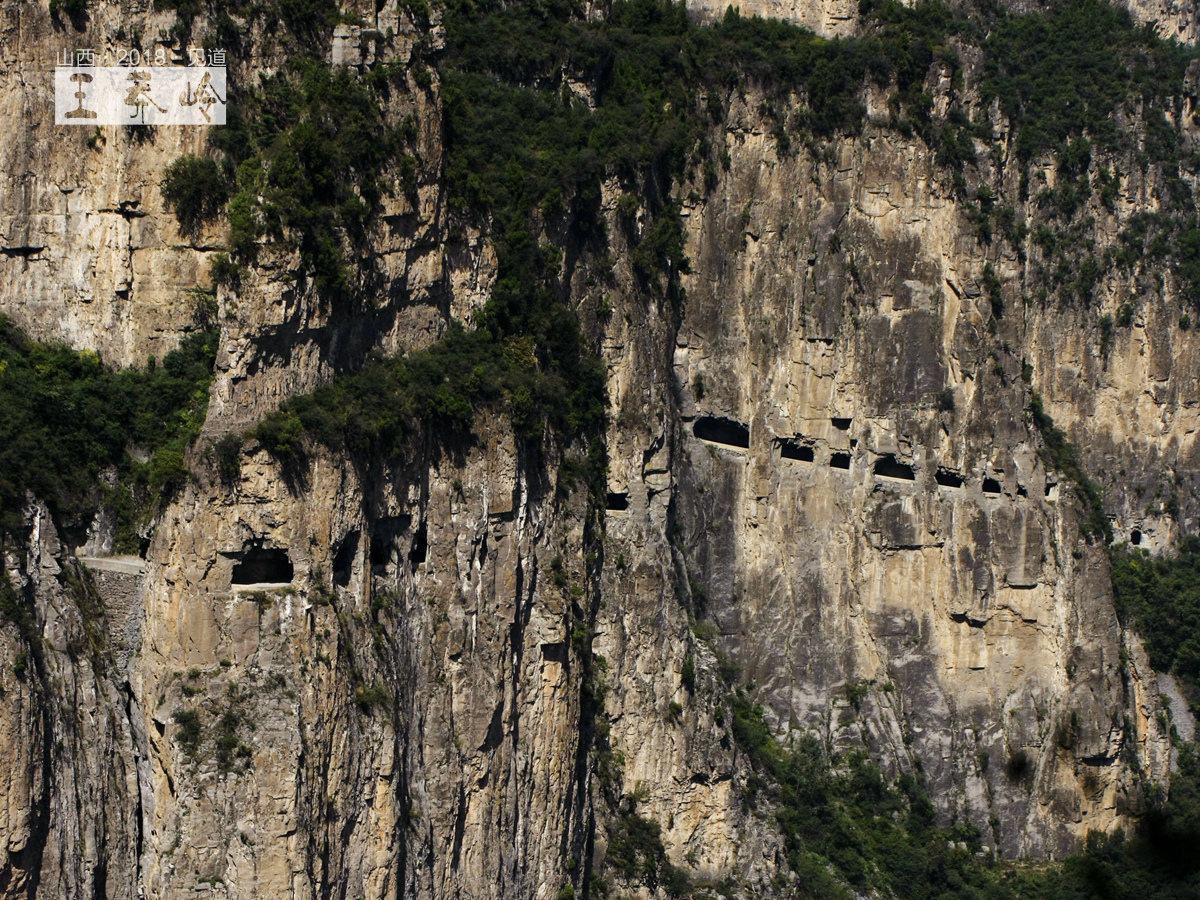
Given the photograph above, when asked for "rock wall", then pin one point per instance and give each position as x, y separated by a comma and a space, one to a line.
918, 545
828, 18
823, 451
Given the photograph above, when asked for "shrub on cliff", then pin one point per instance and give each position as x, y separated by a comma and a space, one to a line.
1161, 599
66, 418
195, 190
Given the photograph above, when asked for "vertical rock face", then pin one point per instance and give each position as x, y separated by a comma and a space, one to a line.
828, 18
377, 680
912, 581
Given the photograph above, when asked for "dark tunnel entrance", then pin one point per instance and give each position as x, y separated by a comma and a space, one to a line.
260, 566
946, 478
890, 467
793, 449
343, 561
722, 431
617, 502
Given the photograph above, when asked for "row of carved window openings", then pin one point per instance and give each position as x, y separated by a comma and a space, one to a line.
260, 565
889, 467
731, 433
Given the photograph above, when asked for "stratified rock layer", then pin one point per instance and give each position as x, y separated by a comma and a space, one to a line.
824, 451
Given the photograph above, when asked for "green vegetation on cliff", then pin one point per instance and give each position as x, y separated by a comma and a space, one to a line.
1160, 599
1060, 455
376, 409
542, 105
77, 434
847, 832
1065, 74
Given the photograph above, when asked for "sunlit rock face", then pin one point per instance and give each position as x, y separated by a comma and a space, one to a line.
374, 680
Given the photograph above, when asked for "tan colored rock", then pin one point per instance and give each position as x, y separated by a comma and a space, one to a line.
407, 715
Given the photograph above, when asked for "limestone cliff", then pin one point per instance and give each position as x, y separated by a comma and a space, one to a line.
381, 681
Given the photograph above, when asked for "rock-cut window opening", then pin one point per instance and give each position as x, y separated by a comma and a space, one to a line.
839, 461
381, 552
260, 566
617, 502
947, 479
419, 550
991, 486
792, 449
1135, 537
384, 537
343, 560
722, 431
841, 424
890, 467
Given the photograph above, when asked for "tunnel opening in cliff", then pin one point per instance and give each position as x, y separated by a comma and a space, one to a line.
890, 467
384, 535
262, 566
1135, 537
617, 502
991, 486
841, 424
839, 461
343, 560
419, 550
793, 449
722, 431
948, 479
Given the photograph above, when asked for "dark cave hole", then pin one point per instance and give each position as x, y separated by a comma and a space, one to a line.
722, 431
1018, 765
946, 478
890, 467
617, 502
1050, 486
792, 449
381, 552
1135, 537
343, 560
840, 460
260, 566
420, 549
841, 424
991, 486
383, 539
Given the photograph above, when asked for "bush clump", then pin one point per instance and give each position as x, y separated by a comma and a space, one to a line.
848, 832
65, 418
1059, 453
1161, 599
195, 189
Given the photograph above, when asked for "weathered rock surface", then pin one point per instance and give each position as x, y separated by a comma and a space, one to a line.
405, 711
